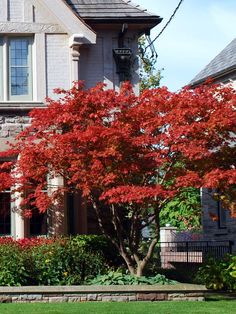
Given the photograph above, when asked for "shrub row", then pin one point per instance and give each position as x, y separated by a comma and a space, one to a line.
220, 274
84, 259
62, 261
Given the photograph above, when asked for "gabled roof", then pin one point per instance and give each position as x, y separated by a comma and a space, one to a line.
65, 17
223, 63
96, 11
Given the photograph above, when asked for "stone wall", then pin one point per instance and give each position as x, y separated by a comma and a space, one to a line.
13, 123
34, 294
211, 227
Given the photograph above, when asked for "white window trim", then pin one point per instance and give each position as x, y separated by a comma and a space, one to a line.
1, 68
5, 96
28, 96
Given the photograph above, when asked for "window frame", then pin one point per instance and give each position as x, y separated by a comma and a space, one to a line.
5, 72
1, 66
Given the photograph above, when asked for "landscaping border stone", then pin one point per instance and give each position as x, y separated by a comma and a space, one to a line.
56, 294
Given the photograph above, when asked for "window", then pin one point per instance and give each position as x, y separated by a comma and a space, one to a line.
221, 215
38, 223
5, 213
19, 68
16, 68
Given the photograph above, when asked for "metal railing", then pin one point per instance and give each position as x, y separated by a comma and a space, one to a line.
192, 251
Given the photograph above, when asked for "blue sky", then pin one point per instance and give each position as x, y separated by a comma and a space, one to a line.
199, 31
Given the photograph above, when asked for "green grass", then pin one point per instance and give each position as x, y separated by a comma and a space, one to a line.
208, 307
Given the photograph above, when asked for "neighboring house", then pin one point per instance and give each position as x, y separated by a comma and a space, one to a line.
222, 69
47, 44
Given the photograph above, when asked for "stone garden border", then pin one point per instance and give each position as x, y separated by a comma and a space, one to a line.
50, 294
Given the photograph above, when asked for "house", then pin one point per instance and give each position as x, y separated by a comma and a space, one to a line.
222, 69
49, 44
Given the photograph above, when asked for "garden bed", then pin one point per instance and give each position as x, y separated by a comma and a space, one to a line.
49, 294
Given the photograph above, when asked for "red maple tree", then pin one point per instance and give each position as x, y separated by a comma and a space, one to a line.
128, 154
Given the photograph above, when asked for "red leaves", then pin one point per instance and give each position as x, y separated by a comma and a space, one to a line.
26, 242
128, 149
33, 242
5, 175
214, 217
190, 179
136, 194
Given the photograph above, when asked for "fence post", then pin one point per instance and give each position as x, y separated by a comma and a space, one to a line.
168, 234
187, 251
167, 239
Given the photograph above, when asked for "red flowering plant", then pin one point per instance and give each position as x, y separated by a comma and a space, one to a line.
34, 242
128, 154
28, 242
6, 241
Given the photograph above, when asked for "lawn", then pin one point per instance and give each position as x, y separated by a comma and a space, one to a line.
208, 307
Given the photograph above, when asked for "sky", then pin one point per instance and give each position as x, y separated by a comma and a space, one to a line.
198, 32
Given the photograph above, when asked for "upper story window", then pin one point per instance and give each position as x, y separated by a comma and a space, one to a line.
16, 68
221, 215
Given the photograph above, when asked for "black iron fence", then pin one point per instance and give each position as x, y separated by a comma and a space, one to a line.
194, 252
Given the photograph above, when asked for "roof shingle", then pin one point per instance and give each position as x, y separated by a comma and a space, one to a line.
108, 9
223, 62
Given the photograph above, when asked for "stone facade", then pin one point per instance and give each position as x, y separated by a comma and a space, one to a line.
221, 229
12, 123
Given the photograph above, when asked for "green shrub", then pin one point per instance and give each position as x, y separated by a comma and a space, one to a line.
63, 263
12, 265
118, 278
219, 275
100, 245
47, 262
232, 267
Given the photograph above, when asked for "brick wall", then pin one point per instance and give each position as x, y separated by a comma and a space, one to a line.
92, 63
58, 65
16, 9
97, 63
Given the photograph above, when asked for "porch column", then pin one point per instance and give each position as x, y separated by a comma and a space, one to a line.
57, 214
19, 221
18, 226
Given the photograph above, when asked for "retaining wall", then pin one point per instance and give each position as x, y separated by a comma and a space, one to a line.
49, 294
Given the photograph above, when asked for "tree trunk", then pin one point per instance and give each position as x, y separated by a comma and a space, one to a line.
140, 269
134, 263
